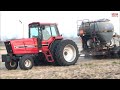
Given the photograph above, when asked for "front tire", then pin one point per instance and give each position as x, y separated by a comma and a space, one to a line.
66, 53
12, 65
26, 62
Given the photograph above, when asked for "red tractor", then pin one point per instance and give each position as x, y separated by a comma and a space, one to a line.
45, 44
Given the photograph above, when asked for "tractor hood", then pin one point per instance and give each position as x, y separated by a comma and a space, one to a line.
22, 46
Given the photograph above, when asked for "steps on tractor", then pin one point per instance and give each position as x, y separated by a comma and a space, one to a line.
48, 56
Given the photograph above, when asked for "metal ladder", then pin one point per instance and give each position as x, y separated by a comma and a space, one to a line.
48, 56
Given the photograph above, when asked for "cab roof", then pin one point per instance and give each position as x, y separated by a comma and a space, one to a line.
43, 23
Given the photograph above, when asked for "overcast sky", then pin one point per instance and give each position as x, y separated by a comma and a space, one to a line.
66, 20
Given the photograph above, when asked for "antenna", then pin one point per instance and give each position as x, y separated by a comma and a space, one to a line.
22, 26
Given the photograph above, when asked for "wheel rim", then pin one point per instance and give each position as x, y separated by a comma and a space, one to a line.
13, 64
69, 53
27, 63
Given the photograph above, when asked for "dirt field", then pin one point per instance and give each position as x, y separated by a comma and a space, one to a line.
84, 69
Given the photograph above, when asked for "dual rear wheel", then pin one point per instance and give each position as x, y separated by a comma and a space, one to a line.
66, 53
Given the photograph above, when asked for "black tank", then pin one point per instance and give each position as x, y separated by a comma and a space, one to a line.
103, 28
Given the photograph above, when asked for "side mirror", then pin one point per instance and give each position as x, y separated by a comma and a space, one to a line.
42, 27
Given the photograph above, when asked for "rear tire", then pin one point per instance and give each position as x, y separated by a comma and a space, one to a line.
40, 60
66, 53
52, 50
11, 65
26, 62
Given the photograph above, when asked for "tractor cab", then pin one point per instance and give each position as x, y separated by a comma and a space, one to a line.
44, 32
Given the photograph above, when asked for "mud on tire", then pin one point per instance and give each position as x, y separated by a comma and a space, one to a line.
66, 53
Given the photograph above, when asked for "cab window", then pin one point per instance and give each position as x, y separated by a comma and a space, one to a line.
46, 33
54, 31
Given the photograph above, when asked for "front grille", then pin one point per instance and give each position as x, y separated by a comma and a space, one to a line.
8, 47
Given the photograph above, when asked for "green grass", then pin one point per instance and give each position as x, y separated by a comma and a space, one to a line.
2, 49
114, 62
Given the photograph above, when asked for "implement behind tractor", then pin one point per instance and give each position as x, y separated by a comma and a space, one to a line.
98, 39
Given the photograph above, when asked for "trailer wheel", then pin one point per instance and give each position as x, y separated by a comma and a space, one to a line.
11, 65
26, 62
119, 53
66, 53
87, 56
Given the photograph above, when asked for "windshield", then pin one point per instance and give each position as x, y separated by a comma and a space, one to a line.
33, 32
46, 30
